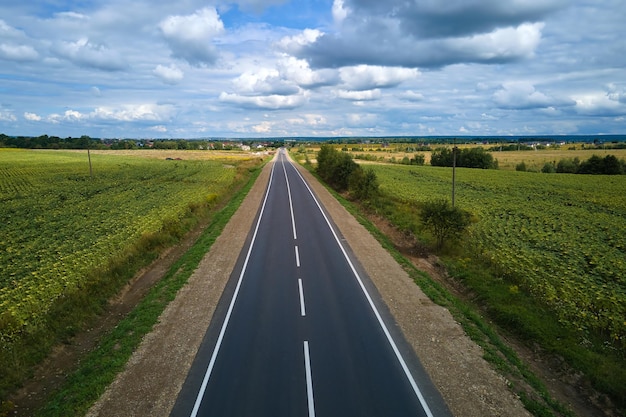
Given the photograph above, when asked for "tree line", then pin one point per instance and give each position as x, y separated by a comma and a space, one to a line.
48, 142
466, 158
86, 142
595, 165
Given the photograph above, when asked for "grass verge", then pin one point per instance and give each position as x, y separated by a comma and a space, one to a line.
100, 367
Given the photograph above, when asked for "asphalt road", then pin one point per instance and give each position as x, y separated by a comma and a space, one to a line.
300, 330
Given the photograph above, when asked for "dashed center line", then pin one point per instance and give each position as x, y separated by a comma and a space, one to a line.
309, 379
302, 309
293, 219
297, 258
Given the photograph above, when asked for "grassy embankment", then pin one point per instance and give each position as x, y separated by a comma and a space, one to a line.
71, 241
544, 259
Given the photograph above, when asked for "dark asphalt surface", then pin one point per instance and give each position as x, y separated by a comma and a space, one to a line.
295, 334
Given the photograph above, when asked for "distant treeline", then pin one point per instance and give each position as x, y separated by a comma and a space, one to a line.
596, 165
534, 147
86, 142
48, 142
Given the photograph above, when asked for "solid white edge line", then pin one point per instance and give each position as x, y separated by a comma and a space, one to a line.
297, 257
407, 372
293, 218
309, 379
207, 375
302, 309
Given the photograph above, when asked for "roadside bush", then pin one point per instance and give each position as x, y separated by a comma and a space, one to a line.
335, 167
363, 184
444, 221
342, 173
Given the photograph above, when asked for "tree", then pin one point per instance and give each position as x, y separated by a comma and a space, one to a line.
593, 165
612, 165
548, 168
609, 165
467, 158
568, 166
441, 157
444, 221
363, 184
418, 159
335, 167
342, 173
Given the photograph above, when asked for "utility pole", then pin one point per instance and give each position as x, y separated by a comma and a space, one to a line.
89, 157
454, 149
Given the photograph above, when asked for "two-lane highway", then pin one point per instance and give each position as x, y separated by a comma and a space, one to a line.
297, 332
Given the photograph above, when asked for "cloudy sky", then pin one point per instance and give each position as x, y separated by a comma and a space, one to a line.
262, 68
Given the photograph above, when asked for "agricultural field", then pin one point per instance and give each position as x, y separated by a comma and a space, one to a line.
558, 237
59, 226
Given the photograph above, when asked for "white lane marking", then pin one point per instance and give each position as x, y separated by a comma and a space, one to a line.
293, 219
207, 375
309, 379
302, 309
403, 364
297, 258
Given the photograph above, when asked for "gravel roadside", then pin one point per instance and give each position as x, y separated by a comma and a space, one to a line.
154, 375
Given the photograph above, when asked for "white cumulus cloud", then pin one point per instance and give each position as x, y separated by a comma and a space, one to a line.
599, 104
271, 102
523, 95
7, 116
169, 74
368, 77
190, 37
365, 95
299, 71
20, 53
264, 81
339, 12
499, 45
92, 55
33, 117
134, 112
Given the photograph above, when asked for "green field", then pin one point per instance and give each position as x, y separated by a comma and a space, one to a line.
560, 238
61, 229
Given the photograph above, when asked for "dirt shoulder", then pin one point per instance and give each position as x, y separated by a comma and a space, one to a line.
153, 377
